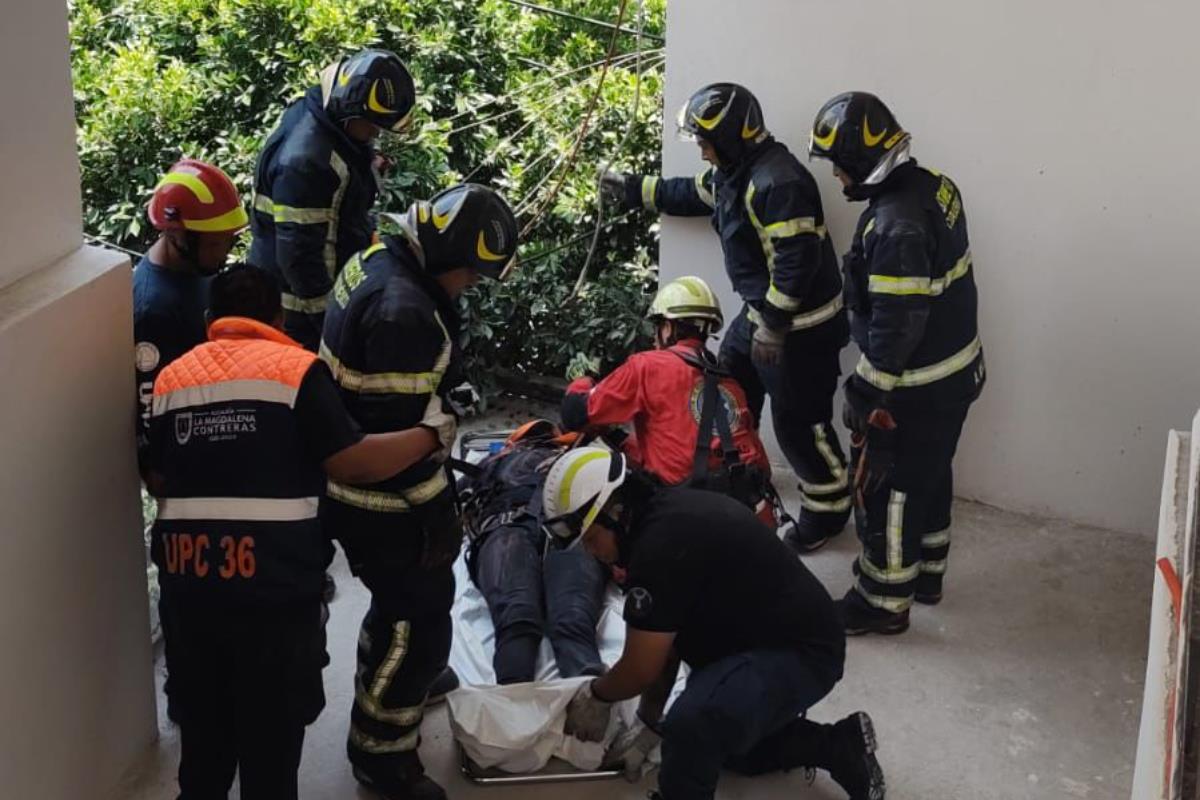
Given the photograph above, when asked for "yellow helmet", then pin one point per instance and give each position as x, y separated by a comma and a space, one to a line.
688, 297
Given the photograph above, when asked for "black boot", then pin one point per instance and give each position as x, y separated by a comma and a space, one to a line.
929, 589
328, 589
400, 777
811, 531
445, 683
860, 617
853, 764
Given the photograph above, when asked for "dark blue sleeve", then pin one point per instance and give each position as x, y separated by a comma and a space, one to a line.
158, 340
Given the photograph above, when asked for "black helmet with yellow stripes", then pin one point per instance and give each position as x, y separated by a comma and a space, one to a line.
373, 85
728, 117
862, 138
464, 226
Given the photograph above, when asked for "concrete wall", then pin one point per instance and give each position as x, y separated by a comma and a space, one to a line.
1070, 128
41, 220
76, 688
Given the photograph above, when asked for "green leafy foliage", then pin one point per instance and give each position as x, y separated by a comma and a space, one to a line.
503, 93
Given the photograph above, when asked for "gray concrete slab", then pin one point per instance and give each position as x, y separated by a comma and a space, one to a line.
1024, 683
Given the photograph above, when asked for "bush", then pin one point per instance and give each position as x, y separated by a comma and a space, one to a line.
158, 79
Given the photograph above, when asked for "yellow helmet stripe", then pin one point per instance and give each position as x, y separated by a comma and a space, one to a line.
374, 104
189, 180
564, 491
711, 122
231, 220
825, 142
481, 250
870, 139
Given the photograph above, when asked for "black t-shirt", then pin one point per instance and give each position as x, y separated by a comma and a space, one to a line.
321, 416
704, 567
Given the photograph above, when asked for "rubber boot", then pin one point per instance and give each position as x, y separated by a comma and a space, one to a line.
401, 776
852, 758
859, 617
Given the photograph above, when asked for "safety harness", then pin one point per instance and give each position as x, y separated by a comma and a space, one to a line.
746, 483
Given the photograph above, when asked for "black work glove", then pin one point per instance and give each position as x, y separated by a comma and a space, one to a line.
766, 348
622, 192
877, 454
861, 399
443, 538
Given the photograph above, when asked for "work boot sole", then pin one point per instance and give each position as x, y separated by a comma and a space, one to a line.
889, 627
876, 788
928, 599
367, 782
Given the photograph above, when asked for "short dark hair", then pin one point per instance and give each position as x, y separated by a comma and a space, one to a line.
242, 290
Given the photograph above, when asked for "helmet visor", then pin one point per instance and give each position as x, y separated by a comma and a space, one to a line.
685, 129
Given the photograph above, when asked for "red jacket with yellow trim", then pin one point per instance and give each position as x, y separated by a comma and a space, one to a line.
660, 393
237, 517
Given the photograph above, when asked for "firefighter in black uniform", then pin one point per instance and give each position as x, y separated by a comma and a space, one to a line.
245, 428
390, 337
766, 208
910, 288
317, 178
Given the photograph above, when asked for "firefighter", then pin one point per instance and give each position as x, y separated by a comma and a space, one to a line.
785, 341
664, 392
317, 179
245, 428
712, 587
391, 339
199, 215
910, 288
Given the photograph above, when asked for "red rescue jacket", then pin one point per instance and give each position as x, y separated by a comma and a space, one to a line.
660, 394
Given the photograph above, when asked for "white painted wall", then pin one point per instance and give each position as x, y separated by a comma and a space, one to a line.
40, 199
1071, 128
76, 688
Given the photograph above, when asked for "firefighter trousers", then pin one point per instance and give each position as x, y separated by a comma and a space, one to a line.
801, 389
403, 645
904, 524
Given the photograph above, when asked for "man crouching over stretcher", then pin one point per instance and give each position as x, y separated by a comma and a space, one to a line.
529, 590
709, 585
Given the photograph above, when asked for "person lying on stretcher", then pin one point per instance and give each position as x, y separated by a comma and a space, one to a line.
529, 591
692, 424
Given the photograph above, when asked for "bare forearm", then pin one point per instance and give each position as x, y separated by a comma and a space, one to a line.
379, 456
654, 698
621, 683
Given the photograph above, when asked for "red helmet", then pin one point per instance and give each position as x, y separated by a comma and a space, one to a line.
198, 197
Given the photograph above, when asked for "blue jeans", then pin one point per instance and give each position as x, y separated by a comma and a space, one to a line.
744, 712
559, 595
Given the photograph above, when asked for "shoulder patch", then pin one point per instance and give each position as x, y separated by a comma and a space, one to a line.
638, 604
146, 356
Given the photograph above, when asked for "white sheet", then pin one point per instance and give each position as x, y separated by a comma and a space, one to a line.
519, 728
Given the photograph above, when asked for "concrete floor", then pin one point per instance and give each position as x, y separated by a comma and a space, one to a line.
1024, 683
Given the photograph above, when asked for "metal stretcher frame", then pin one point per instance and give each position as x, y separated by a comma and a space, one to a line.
494, 777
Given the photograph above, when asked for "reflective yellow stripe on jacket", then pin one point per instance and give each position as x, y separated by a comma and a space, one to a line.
888, 284
922, 376
388, 502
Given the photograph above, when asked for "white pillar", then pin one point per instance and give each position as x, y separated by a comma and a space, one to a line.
76, 684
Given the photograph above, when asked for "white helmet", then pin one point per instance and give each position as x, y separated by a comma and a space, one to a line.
576, 489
